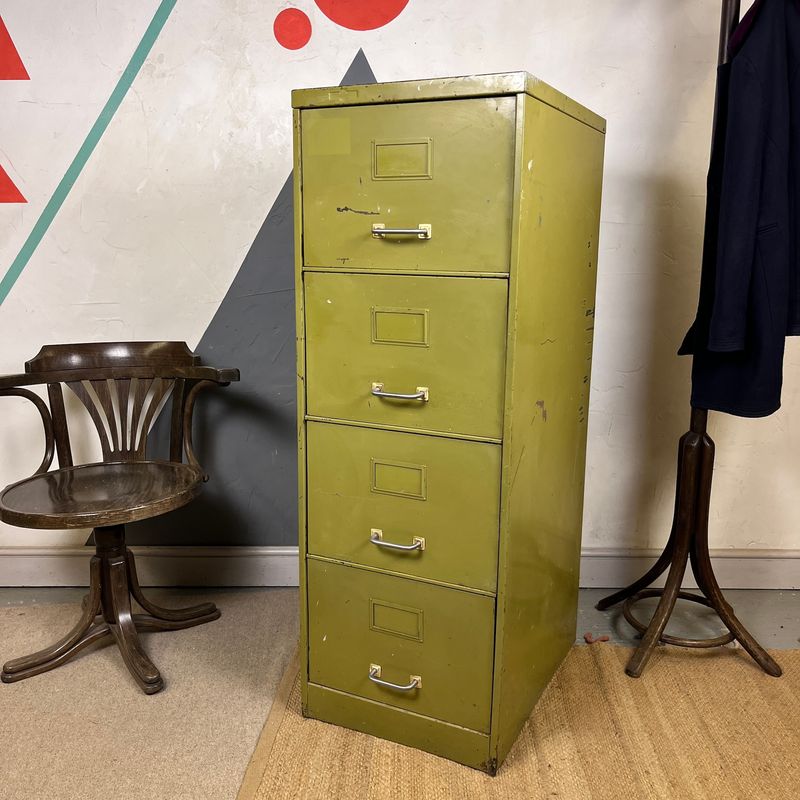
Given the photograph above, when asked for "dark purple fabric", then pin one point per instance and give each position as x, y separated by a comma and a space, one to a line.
743, 28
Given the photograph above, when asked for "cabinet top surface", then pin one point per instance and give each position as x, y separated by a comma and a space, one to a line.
498, 84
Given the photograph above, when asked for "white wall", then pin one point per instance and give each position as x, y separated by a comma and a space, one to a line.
157, 225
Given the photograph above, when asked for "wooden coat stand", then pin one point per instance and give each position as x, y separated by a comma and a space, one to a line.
688, 539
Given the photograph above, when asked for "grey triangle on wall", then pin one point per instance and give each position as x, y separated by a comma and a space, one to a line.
245, 434
359, 72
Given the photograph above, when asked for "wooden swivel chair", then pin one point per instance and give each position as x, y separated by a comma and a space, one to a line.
123, 386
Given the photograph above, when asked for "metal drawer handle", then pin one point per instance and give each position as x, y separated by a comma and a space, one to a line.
376, 537
375, 677
380, 231
422, 393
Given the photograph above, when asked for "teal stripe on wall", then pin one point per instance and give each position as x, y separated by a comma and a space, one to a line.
86, 149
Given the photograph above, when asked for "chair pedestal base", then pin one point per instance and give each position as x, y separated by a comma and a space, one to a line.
688, 543
107, 612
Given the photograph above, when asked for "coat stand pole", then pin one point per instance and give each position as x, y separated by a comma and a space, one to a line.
688, 539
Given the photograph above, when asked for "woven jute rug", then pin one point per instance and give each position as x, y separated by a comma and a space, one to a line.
698, 724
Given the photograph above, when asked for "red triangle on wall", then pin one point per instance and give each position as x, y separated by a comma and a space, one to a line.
11, 66
8, 191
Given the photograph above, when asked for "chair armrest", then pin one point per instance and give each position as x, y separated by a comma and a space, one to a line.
224, 378
228, 375
44, 413
25, 379
219, 376
206, 378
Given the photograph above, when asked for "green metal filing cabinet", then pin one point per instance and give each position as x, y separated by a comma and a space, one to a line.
446, 247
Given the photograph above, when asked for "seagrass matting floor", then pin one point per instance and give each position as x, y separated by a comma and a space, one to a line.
698, 724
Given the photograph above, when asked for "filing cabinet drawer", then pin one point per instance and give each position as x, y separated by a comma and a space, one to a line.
439, 495
442, 339
448, 164
359, 618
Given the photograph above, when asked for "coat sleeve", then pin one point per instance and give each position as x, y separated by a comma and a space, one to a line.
739, 209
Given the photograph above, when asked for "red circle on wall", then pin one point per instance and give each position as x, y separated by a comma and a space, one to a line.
361, 15
292, 28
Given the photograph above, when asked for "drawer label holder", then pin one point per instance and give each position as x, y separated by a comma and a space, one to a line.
399, 478
396, 620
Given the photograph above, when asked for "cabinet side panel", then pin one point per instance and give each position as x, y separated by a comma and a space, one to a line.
551, 316
301, 399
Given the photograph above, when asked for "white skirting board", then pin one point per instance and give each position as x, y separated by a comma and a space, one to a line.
278, 566
155, 566
735, 569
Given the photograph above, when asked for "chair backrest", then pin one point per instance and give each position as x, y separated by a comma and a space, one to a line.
123, 386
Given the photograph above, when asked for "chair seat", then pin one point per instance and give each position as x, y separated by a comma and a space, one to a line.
93, 495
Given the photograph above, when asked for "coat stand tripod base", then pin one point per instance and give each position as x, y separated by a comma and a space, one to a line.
688, 543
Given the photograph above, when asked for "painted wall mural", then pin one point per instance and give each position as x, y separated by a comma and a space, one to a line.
149, 145
293, 29
11, 69
11, 66
87, 148
8, 190
249, 430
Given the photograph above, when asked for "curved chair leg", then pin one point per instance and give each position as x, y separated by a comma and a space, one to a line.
196, 615
144, 622
66, 647
124, 631
94, 635
106, 612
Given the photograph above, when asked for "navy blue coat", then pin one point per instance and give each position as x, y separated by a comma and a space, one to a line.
750, 282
